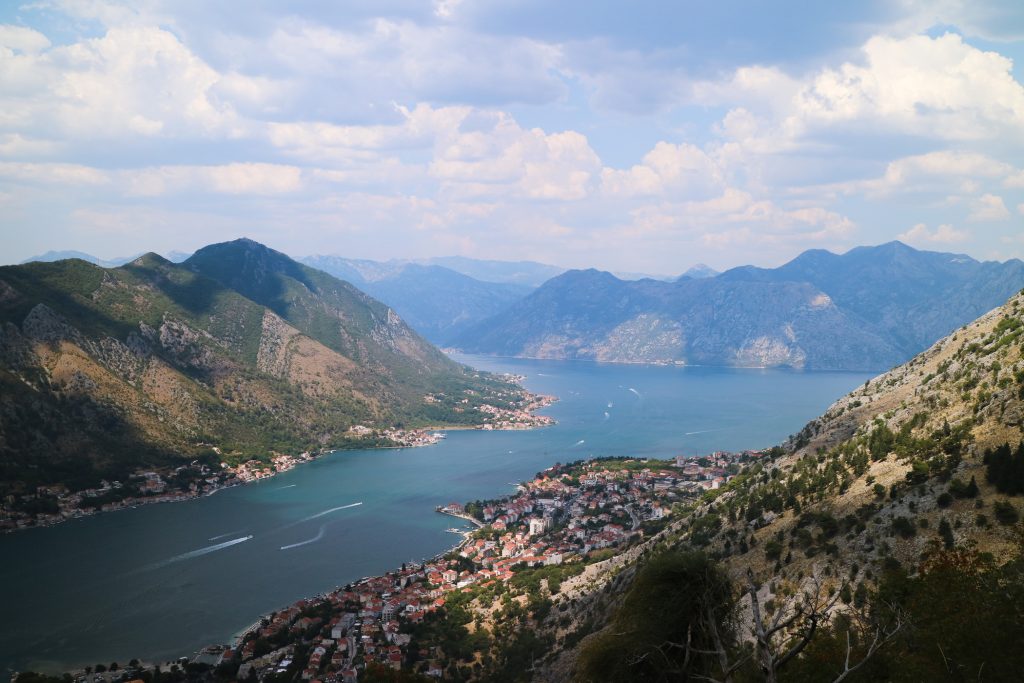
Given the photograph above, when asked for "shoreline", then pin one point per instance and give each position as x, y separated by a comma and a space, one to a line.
542, 401
238, 636
663, 363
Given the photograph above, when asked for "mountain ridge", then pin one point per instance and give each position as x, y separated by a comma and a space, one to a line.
880, 304
154, 364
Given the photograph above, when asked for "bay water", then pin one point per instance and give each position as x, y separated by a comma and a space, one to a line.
161, 581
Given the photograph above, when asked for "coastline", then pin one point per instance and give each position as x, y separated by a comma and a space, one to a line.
660, 363
239, 636
240, 475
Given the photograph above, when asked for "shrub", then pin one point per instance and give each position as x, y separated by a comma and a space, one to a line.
962, 490
1005, 512
904, 527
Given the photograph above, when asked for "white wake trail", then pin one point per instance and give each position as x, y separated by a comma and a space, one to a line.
200, 552
319, 535
327, 512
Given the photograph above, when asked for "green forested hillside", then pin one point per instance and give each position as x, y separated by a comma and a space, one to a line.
153, 364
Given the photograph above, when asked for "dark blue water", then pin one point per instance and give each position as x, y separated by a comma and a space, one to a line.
163, 580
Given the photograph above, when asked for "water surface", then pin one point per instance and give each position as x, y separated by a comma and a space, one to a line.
161, 581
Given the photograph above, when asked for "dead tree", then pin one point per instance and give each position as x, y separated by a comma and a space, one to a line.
780, 637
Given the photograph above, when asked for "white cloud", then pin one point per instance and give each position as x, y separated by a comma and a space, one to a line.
683, 170
944, 234
14, 145
941, 171
988, 207
22, 39
52, 173
737, 218
495, 157
417, 128
236, 178
132, 81
938, 87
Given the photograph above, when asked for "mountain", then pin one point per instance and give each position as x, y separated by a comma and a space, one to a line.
913, 297
527, 273
627, 275
437, 302
699, 271
884, 538
594, 315
51, 256
864, 310
175, 256
239, 349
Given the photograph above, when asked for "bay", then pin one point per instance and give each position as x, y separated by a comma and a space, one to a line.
160, 581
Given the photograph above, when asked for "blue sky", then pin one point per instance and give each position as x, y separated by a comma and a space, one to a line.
642, 136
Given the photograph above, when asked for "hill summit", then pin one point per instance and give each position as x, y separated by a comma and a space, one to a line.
239, 352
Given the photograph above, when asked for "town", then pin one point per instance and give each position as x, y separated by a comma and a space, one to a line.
565, 518
55, 503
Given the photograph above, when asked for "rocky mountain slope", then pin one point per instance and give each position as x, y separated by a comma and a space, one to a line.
241, 349
867, 309
594, 315
892, 521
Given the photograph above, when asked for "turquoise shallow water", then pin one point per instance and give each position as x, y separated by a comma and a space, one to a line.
161, 581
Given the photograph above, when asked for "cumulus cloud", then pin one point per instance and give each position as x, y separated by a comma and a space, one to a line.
236, 178
22, 39
421, 125
52, 173
939, 171
988, 207
938, 87
683, 170
944, 234
137, 81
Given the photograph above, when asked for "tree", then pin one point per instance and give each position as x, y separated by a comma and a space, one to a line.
781, 636
676, 622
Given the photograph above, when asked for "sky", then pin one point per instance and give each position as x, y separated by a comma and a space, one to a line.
632, 136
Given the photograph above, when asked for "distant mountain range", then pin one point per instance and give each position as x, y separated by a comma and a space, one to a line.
241, 348
526, 273
868, 309
50, 256
699, 272
437, 302
441, 298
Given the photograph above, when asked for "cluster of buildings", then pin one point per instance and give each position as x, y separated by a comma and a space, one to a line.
560, 516
55, 503
254, 470
343, 632
519, 418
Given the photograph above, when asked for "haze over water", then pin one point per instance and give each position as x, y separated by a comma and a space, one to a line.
161, 581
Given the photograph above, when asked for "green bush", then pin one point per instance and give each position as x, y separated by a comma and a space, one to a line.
1005, 512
